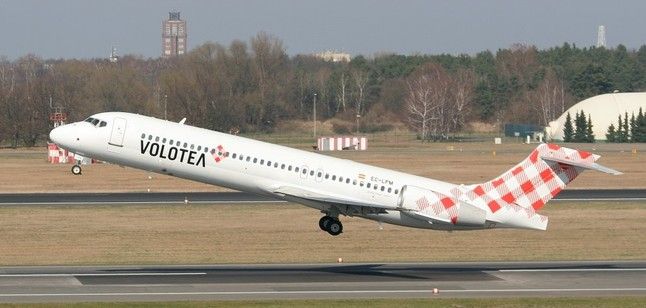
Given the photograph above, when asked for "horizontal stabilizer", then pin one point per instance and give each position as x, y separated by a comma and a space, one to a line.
582, 164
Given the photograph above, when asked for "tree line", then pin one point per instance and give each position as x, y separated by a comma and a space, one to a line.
633, 130
253, 86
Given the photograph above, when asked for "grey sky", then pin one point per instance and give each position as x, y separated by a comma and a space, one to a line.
86, 29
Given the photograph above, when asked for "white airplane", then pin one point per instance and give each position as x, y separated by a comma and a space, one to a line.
332, 185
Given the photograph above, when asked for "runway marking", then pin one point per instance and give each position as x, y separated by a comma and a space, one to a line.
100, 274
429, 291
572, 270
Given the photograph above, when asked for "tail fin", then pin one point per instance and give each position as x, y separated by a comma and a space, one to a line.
537, 179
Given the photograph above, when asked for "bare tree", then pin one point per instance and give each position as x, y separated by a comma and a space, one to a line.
463, 91
341, 93
550, 98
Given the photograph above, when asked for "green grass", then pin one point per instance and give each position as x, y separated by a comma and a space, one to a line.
433, 302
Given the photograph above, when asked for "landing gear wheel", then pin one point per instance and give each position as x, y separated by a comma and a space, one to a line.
76, 170
324, 222
334, 227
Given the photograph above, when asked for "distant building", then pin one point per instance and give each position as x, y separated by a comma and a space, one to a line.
604, 110
333, 56
173, 36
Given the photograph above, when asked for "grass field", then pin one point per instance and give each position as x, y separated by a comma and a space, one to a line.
610, 302
26, 170
285, 233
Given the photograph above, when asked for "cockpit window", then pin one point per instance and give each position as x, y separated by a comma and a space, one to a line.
96, 122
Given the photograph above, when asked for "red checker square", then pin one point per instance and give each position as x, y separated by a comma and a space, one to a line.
584, 154
447, 202
497, 182
547, 175
527, 187
509, 198
454, 220
534, 156
494, 206
556, 191
552, 146
538, 204
479, 191
517, 170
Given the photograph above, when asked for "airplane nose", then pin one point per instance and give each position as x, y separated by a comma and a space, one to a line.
55, 135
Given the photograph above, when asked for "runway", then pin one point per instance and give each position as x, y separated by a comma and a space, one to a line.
320, 281
241, 197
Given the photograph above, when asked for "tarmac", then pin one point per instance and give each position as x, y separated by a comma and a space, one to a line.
247, 198
322, 281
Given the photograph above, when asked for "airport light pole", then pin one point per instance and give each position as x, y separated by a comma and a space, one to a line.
314, 115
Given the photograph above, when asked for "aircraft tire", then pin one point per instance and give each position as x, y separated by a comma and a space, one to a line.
334, 227
76, 170
324, 222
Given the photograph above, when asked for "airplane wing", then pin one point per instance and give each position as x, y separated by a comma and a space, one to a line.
309, 195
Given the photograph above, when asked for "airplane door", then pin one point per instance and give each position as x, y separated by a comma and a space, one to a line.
116, 137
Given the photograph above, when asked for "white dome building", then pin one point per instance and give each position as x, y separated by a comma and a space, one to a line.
604, 110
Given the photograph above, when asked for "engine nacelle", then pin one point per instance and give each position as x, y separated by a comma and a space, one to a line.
438, 207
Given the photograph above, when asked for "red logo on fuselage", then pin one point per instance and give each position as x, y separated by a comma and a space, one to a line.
220, 154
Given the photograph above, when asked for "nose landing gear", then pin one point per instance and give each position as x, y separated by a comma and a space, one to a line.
76, 170
330, 224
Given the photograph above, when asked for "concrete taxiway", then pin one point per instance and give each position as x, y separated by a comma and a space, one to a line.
289, 281
241, 197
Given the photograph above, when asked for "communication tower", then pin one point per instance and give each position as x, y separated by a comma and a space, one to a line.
601, 36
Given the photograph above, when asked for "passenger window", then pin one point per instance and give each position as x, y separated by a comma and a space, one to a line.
334, 178
248, 158
192, 146
361, 184
185, 145
262, 161
255, 160
226, 154
290, 168
241, 156
164, 140
319, 174
213, 152
354, 182
382, 188
340, 179
368, 185
396, 191
275, 165
143, 136
304, 171
150, 137
347, 181
170, 142
102, 124
206, 150
199, 148
282, 166
389, 189
269, 163
327, 176
157, 139
234, 155
295, 169
312, 172
376, 187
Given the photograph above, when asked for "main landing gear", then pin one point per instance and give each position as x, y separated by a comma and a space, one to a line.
76, 170
331, 225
